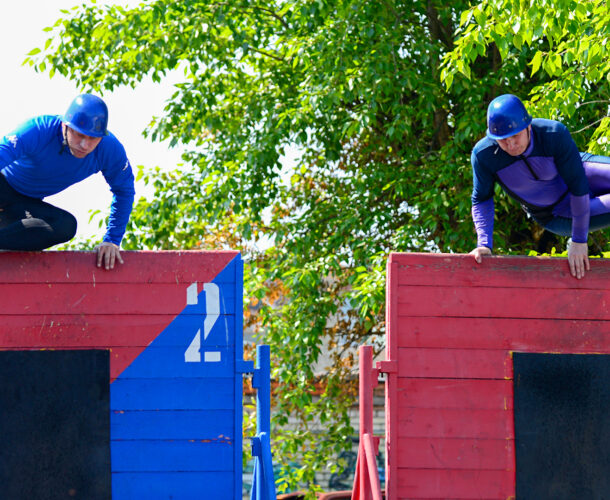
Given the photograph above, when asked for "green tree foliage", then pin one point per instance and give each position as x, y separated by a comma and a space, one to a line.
379, 104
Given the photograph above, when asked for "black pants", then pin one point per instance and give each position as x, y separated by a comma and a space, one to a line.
29, 223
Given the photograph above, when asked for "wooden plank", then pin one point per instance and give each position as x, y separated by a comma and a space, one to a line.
103, 298
391, 396
455, 393
456, 423
102, 331
556, 335
172, 424
217, 485
171, 456
455, 484
168, 394
444, 453
91, 330
455, 363
139, 267
490, 302
496, 271
222, 366
162, 361
239, 384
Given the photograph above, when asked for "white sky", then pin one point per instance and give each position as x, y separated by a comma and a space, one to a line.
25, 93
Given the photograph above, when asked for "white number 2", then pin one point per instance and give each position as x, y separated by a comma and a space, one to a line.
212, 307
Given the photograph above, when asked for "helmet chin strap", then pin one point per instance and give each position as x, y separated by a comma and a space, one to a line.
64, 139
64, 143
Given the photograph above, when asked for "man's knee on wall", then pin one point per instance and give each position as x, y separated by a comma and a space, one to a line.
65, 228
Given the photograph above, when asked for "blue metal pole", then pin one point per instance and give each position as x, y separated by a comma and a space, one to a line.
263, 484
263, 393
268, 466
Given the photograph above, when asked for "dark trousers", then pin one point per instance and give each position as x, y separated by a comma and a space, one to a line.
597, 170
562, 226
29, 223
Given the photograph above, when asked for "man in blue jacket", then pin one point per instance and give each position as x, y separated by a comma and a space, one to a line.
537, 163
47, 154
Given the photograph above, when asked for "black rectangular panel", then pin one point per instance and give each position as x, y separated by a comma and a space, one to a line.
562, 426
55, 425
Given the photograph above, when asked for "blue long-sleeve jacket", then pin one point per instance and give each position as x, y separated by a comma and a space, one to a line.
37, 164
549, 171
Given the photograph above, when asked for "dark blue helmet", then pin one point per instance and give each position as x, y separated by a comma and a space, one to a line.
88, 114
506, 116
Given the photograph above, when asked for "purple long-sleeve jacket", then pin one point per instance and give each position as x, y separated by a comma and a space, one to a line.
548, 179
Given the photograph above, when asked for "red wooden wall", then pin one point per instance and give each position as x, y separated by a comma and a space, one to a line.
452, 328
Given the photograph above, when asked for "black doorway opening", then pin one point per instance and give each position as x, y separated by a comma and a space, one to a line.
55, 425
562, 426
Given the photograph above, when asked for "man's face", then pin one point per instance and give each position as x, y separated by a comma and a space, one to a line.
516, 145
80, 144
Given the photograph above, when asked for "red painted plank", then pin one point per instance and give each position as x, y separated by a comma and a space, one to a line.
503, 303
100, 298
139, 267
455, 393
455, 484
68, 331
456, 423
528, 335
506, 272
455, 363
391, 399
443, 453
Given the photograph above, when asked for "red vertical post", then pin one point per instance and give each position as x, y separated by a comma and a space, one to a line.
366, 415
371, 450
366, 479
366, 389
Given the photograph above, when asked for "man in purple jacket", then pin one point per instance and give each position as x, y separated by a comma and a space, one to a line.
47, 154
538, 164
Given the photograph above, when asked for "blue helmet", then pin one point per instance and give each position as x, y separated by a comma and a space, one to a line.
88, 114
506, 116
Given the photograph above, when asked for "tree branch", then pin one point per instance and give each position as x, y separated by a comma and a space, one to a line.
588, 126
262, 52
273, 14
602, 101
